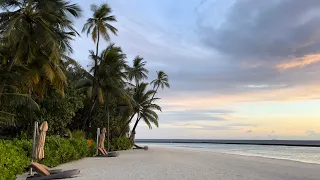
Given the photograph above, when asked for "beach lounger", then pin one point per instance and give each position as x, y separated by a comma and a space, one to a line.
139, 147
44, 174
104, 153
51, 171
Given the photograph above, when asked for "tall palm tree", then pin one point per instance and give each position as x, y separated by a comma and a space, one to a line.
138, 71
161, 81
145, 107
99, 25
135, 73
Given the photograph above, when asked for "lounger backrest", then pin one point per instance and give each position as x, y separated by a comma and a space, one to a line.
40, 169
45, 167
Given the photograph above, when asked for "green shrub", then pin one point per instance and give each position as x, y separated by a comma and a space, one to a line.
122, 143
59, 150
15, 155
78, 134
13, 160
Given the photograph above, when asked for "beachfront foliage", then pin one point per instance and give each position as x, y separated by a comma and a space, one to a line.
15, 155
122, 143
58, 150
13, 160
39, 81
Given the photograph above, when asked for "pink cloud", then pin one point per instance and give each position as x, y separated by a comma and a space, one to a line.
299, 62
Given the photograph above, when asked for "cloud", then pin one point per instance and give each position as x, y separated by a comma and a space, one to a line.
219, 54
311, 133
195, 115
243, 124
299, 62
249, 131
200, 101
203, 125
266, 30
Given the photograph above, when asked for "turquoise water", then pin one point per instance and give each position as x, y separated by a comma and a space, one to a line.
295, 153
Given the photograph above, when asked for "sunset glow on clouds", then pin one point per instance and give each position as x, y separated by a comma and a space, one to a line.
238, 69
299, 62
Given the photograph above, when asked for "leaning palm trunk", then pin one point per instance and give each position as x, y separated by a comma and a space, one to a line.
128, 122
155, 92
135, 126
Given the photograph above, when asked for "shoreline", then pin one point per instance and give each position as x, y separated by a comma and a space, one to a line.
298, 143
162, 163
235, 154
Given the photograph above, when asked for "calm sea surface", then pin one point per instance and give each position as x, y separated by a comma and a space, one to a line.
295, 153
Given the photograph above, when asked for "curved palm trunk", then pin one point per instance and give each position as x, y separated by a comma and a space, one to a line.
155, 92
124, 127
135, 126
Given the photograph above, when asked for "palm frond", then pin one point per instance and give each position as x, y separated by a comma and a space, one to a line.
16, 99
7, 119
84, 83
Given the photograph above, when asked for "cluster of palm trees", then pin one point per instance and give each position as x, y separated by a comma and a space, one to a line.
35, 43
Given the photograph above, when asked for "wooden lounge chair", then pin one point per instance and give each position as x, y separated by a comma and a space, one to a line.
104, 153
51, 171
139, 147
44, 174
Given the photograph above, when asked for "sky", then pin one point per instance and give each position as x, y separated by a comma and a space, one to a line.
238, 69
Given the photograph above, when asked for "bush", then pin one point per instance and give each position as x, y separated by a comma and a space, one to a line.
15, 155
122, 143
59, 150
13, 160
78, 134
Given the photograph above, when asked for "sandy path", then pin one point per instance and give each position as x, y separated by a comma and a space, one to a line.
177, 164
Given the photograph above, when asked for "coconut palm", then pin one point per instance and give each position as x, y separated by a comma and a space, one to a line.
145, 107
109, 80
36, 34
161, 81
138, 71
99, 25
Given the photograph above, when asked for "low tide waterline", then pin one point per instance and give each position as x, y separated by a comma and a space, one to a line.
294, 153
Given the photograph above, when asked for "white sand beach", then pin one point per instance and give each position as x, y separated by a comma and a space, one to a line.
187, 164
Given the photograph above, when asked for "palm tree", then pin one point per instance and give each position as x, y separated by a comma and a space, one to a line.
36, 34
145, 107
109, 80
138, 71
161, 81
99, 24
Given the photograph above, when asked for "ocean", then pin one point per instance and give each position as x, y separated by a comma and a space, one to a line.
302, 151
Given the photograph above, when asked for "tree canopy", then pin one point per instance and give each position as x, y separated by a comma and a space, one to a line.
39, 81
